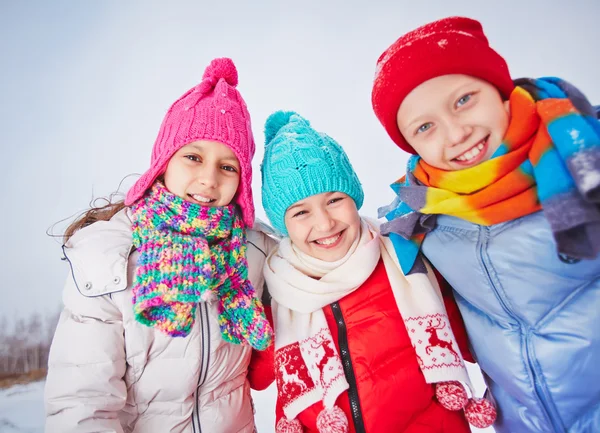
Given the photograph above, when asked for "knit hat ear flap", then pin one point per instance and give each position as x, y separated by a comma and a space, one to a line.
275, 122
218, 68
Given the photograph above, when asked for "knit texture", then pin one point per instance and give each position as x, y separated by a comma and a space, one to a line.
307, 363
212, 110
300, 162
453, 45
190, 253
549, 159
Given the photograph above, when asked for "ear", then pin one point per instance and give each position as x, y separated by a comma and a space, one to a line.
507, 106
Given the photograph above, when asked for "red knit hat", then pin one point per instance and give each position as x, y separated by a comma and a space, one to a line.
454, 45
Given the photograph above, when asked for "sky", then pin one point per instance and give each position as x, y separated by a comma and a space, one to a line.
85, 86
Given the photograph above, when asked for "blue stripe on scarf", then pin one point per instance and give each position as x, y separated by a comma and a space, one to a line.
502, 150
573, 133
406, 250
552, 177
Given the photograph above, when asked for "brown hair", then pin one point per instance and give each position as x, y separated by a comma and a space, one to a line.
102, 212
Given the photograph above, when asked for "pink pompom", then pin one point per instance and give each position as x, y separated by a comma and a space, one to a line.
452, 395
288, 426
480, 412
332, 420
221, 68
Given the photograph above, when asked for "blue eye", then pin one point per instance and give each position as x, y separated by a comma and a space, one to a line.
463, 100
424, 127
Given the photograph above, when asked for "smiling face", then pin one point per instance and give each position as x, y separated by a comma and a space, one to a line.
204, 172
324, 225
454, 121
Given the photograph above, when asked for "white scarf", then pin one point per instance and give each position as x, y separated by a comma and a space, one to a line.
303, 342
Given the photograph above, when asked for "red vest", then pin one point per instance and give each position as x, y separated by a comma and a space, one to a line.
392, 393
388, 389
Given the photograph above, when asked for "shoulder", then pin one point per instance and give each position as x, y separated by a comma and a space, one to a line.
98, 255
115, 231
261, 238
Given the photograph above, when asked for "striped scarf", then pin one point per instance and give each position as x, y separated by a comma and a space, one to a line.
190, 253
549, 160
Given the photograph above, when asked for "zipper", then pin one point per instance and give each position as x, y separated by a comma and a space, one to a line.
348, 370
540, 392
205, 358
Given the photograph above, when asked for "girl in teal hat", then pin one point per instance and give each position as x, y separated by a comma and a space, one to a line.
359, 346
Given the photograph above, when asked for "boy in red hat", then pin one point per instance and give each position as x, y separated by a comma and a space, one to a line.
502, 196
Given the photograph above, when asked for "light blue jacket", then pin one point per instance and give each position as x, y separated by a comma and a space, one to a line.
533, 320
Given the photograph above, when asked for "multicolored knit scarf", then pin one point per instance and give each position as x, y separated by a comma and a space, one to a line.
189, 253
549, 159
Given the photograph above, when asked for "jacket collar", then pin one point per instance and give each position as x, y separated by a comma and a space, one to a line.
99, 254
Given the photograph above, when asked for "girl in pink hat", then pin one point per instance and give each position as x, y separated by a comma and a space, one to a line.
162, 303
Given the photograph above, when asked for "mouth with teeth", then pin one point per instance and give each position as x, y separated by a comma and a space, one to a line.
330, 241
475, 154
200, 199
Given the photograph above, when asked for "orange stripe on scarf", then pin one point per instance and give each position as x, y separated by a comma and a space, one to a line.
496, 190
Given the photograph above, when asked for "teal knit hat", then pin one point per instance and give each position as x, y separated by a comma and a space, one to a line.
300, 162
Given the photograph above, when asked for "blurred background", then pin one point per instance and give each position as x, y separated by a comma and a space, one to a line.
85, 86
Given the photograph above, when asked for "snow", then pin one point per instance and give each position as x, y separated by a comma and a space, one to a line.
22, 407
574, 134
584, 165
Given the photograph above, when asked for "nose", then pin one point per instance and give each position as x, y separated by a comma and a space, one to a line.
457, 132
323, 221
208, 175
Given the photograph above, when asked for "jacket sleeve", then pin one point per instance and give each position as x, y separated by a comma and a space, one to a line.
85, 388
261, 372
456, 321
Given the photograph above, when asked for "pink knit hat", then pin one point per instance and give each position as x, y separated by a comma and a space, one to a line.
212, 110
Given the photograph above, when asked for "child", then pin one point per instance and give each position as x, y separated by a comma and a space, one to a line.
503, 200
161, 311
359, 347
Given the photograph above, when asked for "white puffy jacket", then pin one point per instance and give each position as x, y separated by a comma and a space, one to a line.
109, 373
